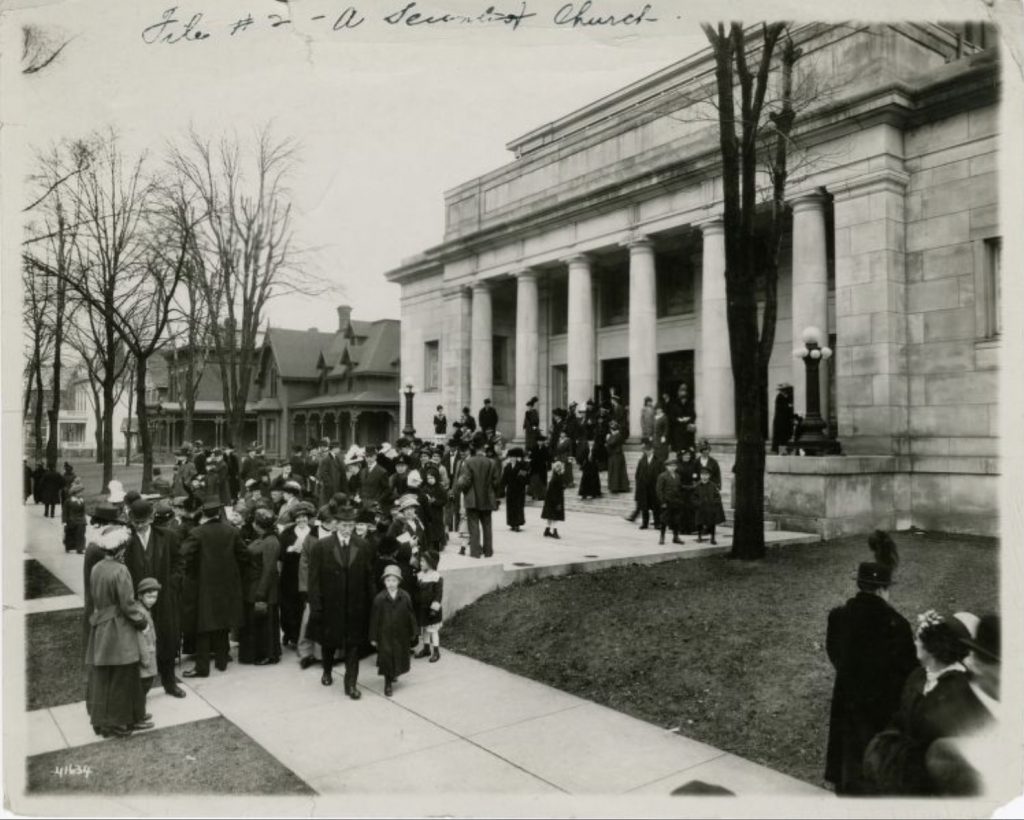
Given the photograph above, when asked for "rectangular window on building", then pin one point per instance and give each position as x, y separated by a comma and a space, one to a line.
675, 284
273, 383
993, 286
560, 385
558, 304
72, 433
614, 297
432, 365
499, 355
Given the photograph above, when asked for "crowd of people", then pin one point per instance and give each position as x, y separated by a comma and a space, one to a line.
915, 710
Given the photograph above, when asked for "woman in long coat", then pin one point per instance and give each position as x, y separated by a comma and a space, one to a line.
590, 477
540, 462
514, 479
618, 480
554, 502
293, 541
114, 699
259, 639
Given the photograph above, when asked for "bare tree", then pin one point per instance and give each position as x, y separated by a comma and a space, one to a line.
38, 344
755, 139
245, 252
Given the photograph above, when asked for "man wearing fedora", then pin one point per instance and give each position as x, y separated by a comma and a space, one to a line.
478, 481
341, 592
872, 649
782, 421
375, 485
330, 473
215, 559
488, 417
154, 552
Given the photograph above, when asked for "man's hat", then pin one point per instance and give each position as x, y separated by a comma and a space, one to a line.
140, 510
105, 513
533, 400
871, 573
326, 514
646, 442
211, 505
365, 516
430, 558
148, 585
987, 641
704, 445
487, 401
371, 450
292, 487
784, 386
131, 497
393, 571
162, 511
479, 439
345, 513
515, 452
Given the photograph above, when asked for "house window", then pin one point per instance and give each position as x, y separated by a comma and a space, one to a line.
614, 297
81, 401
559, 305
432, 365
674, 275
273, 382
560, 385
499, 359
72, 433
993, 286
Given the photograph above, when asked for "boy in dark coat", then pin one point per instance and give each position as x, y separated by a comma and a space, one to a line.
872, 649
392, 628
646, 477
707, 504
514, 479
554, 502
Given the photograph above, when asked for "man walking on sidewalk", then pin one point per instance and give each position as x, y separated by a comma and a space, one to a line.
478, 480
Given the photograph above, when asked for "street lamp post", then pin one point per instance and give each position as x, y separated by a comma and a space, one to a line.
409, 431
813, 440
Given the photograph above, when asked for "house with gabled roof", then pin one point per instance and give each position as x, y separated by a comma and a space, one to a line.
341, 385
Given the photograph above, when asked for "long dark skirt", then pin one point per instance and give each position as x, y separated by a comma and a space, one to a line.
290, 612
259, 637
115, 696
538, 484
590, 481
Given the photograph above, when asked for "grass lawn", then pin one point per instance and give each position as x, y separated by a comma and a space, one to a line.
41, 583
205, 757
730, 652
55, 655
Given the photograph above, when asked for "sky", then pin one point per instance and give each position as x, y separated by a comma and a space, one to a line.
387, 116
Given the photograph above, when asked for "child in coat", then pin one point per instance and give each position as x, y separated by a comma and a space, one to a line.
428, 606
147, 594
392, 628
707, 502
554, 501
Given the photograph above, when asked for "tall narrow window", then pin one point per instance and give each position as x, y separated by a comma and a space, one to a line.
499, 353
432, 365
993, 287
558, 304
675, 278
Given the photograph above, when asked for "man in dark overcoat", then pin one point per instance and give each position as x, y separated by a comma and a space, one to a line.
375, 485
872, 649
214, 558
154, 552
478, 480
645, 494
341, 592
782, 421
330, 473
488, 417
200, 458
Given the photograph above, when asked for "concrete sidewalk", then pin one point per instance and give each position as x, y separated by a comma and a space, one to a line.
457, 726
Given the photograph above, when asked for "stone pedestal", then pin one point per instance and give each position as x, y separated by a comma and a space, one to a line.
716, 414
581, 348
643, 330
527, 344
481, 350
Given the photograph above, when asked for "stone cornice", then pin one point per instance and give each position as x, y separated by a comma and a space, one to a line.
885, 180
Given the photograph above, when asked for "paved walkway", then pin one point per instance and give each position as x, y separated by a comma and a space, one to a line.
454, 726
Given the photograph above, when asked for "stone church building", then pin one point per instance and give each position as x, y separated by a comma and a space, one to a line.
595, 260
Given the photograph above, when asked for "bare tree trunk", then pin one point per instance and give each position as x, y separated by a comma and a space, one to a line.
142, 415
97, 414
128, 435
37, 432
58, 340
107, 442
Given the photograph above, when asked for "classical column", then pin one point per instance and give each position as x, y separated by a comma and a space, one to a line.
481, 351
716, 417
353, 420
810, 290
455, 348
580, 343
527, 343
643, 330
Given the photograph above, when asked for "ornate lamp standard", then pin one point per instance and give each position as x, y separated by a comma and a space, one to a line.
813, 440
408, 431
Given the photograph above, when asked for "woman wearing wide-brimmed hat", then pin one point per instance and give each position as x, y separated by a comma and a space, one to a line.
114, 697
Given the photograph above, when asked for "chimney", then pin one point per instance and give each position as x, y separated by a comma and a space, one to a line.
312, 330
344, 317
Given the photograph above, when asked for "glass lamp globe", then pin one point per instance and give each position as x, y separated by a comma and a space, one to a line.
826, 353
812, 335
800, 353
815, 354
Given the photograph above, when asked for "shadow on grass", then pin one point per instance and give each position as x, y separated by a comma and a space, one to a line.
41, 583
55, 658
205, 757
728, 653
